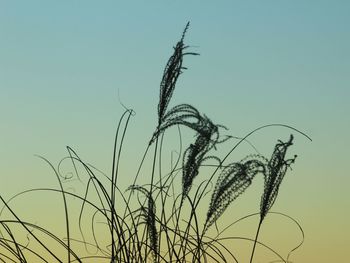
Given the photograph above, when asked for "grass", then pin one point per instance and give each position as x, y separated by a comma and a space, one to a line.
154, 222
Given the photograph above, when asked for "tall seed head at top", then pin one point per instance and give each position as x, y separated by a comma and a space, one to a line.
171, 73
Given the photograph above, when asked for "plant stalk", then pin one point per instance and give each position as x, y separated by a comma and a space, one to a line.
255, 240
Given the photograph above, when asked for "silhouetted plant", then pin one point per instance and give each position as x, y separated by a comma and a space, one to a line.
232, 182
276, 168
137, 231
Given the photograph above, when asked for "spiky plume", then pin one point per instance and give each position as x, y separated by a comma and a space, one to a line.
232, 182
149, 217
171, 73
196, 154
276, 169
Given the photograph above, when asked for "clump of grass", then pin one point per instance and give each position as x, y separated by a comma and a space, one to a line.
153, 222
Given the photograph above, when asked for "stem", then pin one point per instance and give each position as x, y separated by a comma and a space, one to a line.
115, 166
255, 240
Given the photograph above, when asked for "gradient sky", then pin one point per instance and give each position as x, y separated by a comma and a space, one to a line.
63, 63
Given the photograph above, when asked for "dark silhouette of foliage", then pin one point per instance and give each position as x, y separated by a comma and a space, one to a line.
171, 73
232, 182
194, 156
132, 230
149, 218
276, 168
274, 174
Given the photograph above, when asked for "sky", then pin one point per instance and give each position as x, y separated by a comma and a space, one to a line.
65, 66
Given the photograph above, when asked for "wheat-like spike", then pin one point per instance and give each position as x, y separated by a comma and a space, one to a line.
149, 215
192, 159
195, 154
276, 169
232, 182
171, 73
